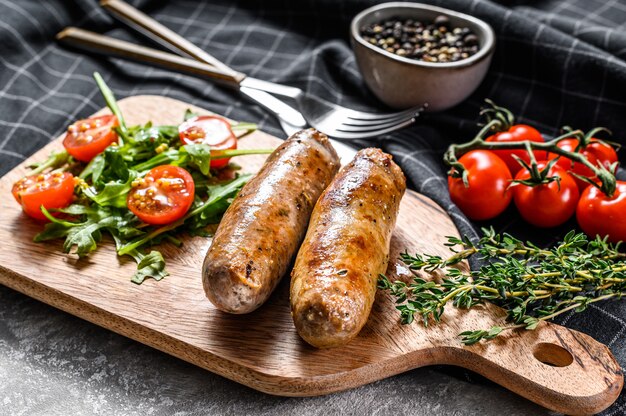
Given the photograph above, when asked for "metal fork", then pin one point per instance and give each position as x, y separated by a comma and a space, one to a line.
334, 120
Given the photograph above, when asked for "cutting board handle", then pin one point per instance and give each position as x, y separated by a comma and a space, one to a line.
554, 366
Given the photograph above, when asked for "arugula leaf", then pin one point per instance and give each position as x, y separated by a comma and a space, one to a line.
93, 168
148, 265
210, 212
52, 231
159, 134
115, 168
85, 234
113, 193
147, 138
199, 156
111, 179
56, 159
109, 98
85, 237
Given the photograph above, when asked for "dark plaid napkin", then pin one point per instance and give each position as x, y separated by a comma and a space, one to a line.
557, 62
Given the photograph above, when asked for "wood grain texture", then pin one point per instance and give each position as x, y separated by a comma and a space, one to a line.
263, 350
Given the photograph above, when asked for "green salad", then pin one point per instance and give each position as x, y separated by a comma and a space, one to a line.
141, 185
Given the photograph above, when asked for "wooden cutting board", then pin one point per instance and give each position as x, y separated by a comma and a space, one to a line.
561, 369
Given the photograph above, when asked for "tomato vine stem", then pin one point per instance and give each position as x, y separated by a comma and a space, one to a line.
496, 124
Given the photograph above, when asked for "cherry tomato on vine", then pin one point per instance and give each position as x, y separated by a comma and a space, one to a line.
598, 214
596, 151
546, 205
517, 133
87, 138
214, 131
164, 195
488, 177
52, 190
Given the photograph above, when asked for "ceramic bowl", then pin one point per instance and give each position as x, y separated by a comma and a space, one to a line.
403, 82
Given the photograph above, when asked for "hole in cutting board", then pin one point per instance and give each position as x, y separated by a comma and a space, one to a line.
552, 355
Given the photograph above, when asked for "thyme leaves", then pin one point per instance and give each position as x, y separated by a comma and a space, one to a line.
531, 283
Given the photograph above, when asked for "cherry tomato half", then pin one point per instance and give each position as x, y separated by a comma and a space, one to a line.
517, 133
87, 138
52, 190
546, 205
164, 195
214, 131
487, 195
596, 151
597, 214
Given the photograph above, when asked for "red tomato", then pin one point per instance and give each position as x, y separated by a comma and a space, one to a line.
487, 195
596, 151
597, 214
164, 195
214, 131
517, 133
546, 205
87, 138
52, 190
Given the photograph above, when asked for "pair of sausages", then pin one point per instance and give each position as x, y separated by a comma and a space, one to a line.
346, 247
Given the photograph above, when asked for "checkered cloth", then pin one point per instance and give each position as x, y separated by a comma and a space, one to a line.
557, 62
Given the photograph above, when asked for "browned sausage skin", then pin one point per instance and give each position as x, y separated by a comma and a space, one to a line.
346, 247
262, 229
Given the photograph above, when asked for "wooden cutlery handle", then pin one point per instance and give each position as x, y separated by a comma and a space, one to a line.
105, 45
554, 366
154, 30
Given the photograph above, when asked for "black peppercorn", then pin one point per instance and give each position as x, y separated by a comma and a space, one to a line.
435, 41
470, 39
441, 20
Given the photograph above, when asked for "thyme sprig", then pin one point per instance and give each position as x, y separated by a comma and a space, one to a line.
531, 283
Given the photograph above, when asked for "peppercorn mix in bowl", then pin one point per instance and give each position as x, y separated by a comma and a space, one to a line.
412, 54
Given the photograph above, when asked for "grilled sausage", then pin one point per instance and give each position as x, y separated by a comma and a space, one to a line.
262, 229
346, 247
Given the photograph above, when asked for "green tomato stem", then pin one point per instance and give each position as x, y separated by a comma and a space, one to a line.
243, 126
55, 160
608, 181
224, 154
127, 248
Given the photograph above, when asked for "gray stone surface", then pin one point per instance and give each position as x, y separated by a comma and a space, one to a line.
52, 363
